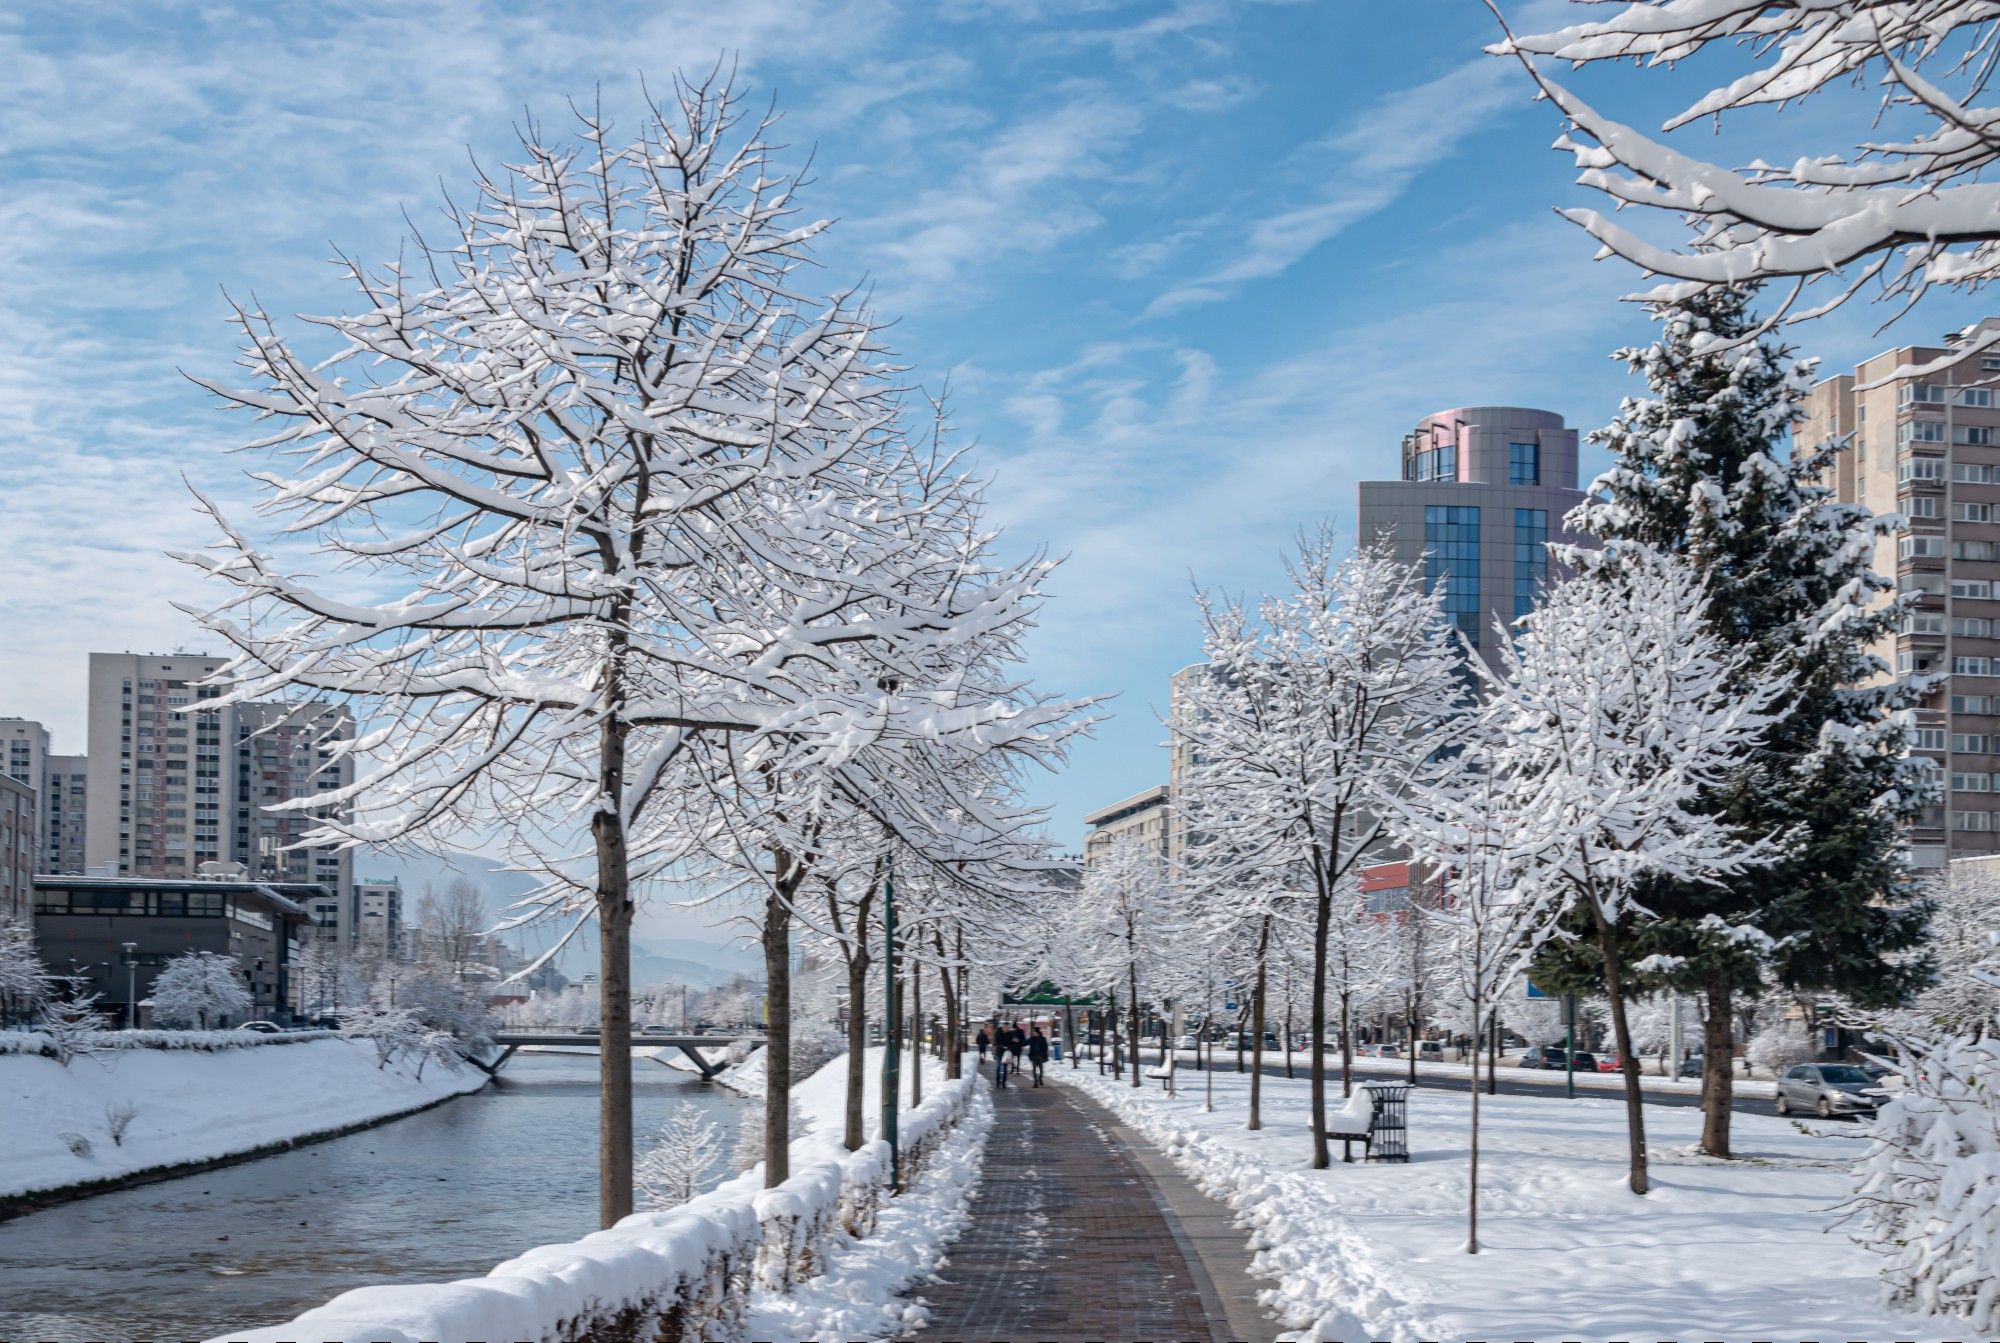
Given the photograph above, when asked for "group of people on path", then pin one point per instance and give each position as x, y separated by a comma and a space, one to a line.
1008, 1043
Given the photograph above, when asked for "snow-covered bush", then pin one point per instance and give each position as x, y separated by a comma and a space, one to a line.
200, 988
683, 1151
439, 1001
79, 1146
1927, 1195
118, 1117
91, 1039
1778, 1046
70, 1027
687, 1272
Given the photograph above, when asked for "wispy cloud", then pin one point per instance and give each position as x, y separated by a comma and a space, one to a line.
1358, 170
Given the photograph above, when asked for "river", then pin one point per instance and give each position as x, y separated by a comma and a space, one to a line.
444, 1194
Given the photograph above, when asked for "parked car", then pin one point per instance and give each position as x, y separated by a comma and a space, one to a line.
1431, 1051
1188, 1042
262, 1027
1586, 1062
1548, 1056
654, 1028
1388, 1051
1610, 1063
1828, 1089
1691, 1066
588, 1030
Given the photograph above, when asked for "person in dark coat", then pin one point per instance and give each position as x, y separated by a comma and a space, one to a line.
1038, 1052
984, 1041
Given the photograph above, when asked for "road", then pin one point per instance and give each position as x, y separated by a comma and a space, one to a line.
1752, 1095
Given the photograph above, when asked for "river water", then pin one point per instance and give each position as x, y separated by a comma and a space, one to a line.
444, 1194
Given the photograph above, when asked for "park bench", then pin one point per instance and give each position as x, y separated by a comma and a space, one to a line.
1377, 1117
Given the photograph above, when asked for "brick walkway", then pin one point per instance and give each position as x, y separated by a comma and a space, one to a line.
1072, 1241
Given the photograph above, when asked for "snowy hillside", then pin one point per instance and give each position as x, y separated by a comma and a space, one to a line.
189, 1106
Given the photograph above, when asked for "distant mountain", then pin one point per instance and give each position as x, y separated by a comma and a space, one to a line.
700, 961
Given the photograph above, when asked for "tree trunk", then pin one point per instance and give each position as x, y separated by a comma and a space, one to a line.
948, 1046
1257, 1036
1132, 1014
1346, 1048
853, 1132
1472, 1164
916, 978
777, 1029
1415, 1011
1635, 1117
1322, 921
614, 980
1718, 1082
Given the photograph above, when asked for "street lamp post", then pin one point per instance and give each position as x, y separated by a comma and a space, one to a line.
892, 1059
131, 985
1569, 1046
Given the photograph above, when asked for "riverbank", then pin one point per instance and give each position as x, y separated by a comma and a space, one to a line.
115, 1119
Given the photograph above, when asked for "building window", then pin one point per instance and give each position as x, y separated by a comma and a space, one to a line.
1921, 547
1920, 468
1975, 434
1439, 463
1923, 393
1972, 820
1972, 550
1921, 431
1923, 622
1971, 783
1970, 666
1975, 396
1972, 704
1531, 556
1968, 512
1524, 463
1927, 739
1969, 743
1451, 553
1969, 627
1977, 589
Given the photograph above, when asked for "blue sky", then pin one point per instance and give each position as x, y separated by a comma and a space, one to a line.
1191, 269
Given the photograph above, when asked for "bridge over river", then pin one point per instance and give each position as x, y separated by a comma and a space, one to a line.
690, 1045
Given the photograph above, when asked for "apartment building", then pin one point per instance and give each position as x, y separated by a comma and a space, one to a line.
60, 787
20, 840
1144, 816
1484, 490
1924, 432
375, 916
171, 789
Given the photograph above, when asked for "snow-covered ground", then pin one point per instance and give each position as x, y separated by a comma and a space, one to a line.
190, 1105
1727, 1251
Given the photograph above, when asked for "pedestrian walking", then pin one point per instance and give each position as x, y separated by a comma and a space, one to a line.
1038, 1053
984, 1041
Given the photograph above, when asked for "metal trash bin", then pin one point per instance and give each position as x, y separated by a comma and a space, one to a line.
1389, 1126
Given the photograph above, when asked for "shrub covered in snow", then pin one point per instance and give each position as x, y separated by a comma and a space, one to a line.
96, 1040
684, 1273
1927, 1196
683, 1151
1778, 1046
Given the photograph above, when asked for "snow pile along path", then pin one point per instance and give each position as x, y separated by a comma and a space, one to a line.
857, 1297
191, 1104
1719, 1250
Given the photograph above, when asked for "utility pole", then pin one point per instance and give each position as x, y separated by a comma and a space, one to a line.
892, 1060
1569, 1047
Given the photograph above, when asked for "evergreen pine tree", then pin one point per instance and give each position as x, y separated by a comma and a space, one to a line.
1697, 471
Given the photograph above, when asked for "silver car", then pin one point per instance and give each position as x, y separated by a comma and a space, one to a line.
1828, 1089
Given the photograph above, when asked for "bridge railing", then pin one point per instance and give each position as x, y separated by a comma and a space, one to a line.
686, 1272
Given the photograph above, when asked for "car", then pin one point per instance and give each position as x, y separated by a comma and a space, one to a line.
654, 1028
1691, 1066
1388, 1051
262, 1027
588, 1030
1828, 1089
1431, 1051
1548, 1056
1586, 1062
1187, 1042
1610, 1063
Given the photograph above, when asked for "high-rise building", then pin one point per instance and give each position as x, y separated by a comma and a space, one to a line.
20, 840
376, 918
1143, 816
1484, 490
60, 787
65, 806
171, 788
1924, 429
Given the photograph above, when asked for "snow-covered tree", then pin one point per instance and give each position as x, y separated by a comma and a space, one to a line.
1779, 1044
1314, 713
675, 1165
1539, 1021
621, 526
1698, 470
200, 989
1965, 916
451, 923
1124, 924
1899, 204
72, 1022
24, 984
